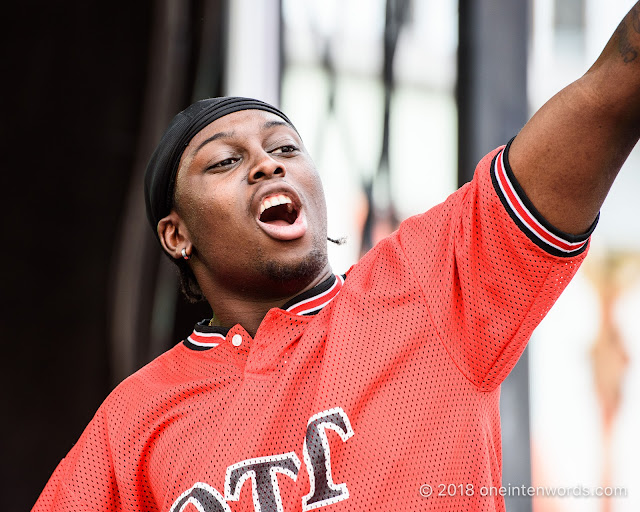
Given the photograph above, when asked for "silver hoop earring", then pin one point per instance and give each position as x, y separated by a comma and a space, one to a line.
184, 254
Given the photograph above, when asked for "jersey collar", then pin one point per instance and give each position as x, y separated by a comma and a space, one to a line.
311, 302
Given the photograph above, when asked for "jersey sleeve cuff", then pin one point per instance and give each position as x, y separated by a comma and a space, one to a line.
528, 219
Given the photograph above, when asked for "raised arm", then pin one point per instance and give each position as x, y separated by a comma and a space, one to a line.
568, 154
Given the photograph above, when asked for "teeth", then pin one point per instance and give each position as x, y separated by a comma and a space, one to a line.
270, 201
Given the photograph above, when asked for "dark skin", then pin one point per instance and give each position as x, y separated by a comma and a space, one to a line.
244, 268
565, 158
568, 155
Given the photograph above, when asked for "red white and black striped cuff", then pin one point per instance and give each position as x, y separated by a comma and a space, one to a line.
525, 215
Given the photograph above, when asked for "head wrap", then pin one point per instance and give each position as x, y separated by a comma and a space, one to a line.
160, 176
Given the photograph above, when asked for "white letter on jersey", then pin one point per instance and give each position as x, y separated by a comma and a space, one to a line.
202, 496
263, 473
317, 457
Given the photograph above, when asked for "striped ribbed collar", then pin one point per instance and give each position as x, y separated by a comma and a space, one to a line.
311, 302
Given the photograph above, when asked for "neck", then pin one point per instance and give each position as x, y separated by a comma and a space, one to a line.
233, 306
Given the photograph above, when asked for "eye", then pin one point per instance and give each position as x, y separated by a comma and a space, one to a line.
287, 148
223, 163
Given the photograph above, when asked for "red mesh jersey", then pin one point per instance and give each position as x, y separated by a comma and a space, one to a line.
353, 396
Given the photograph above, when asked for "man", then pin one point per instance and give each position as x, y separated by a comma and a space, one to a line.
377, 391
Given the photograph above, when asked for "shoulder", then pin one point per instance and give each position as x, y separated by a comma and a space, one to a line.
168, 370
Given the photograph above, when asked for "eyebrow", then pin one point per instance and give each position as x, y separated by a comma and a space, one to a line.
226, 135
216, 136
271, 124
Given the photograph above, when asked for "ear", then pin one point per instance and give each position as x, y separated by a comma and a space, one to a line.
173, 235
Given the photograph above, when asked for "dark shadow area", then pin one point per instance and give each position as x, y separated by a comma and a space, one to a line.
75, 75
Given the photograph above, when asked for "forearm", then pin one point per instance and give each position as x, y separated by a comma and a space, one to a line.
615, 76
569, 153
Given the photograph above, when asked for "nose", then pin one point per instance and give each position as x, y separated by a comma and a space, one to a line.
266, 168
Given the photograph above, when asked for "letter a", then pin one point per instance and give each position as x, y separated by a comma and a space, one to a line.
202, 496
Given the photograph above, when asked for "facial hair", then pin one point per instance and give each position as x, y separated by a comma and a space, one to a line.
302, 272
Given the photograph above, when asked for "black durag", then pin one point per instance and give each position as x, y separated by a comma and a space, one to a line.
160, 176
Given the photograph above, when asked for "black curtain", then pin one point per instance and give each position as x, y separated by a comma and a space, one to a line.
87, 91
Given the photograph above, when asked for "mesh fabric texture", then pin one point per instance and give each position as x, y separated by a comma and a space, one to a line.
392, 386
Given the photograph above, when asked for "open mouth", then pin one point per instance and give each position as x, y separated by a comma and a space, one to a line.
281, 219
278, 210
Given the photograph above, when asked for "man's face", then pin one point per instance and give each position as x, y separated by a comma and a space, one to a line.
252, 204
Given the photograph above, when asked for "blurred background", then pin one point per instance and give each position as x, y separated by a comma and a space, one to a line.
396, 101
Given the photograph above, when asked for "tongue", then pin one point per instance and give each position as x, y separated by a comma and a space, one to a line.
280, 229
277, 222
